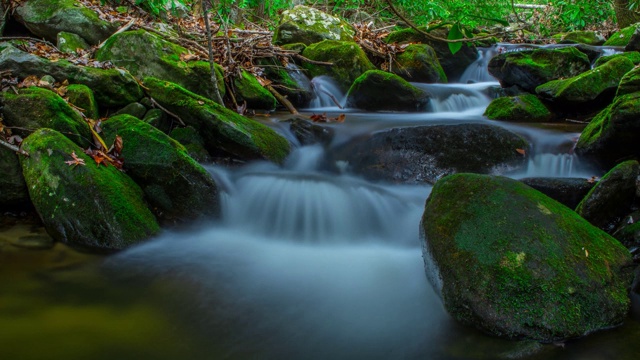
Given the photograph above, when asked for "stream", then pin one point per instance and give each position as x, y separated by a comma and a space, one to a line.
303, 264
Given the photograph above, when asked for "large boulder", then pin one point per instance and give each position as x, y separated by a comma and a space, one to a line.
176, 186
225, 132
34, 108
13, 189
453, 65
249, 90
307, 25
634, 56
112, 87
613, 134
89, 206
531, 68
147, 54
621, 37
517, 264
519, 108
424, 154
612, 197
377, 90
419, 63
589, 89
349, 61
630, 82
567, 191
46, 18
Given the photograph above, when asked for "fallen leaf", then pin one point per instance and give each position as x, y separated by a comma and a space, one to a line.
340, 118
319, 118
521, 152
117, 144
592, 180
188, 57
75, 160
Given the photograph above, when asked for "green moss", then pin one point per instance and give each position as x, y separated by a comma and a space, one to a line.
634, 56
88, 206
349, 61
222, 129
540, 270
42, 10
82, 97
308, 25
249, 89
518, 108
621, 37
379, 90
69, 43
584, 37
419, 63
35, 108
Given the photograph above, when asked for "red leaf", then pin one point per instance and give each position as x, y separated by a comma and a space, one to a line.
521, 152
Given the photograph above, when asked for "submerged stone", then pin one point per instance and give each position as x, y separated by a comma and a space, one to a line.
89, 206
377, 90
517, 264
424, 154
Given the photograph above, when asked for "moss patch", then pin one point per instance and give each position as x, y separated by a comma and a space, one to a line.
249, 89
621, 37
539, 270
378, 90
81, 96
419, 63
521, 108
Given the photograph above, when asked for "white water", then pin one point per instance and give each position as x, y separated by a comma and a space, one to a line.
308, 265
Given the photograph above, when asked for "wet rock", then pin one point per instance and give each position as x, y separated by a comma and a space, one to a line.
307, 25
531, 68
583, 37
225, 132
249, 90
612, 197
176, 186
621, 37
377, 90
193, 142
13, 189
82, 97
348, 58
424, 154
35, 108
567, 191
159, 120
419, 63
593, 88
628, 231
88, 206
146, 54
111, 87
634, 41
46, 18
612, 135
453, 65
630, 82
309, 133
634, 56
519, 108
548, 278
134, 109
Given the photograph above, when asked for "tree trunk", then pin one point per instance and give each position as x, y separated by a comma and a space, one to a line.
625, 16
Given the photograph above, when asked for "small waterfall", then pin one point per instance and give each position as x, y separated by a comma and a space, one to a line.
327, 93
458, 97
477, 71
551, 165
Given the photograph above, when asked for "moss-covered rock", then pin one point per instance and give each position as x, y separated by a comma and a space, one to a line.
290, 81
453, 65
377, 90
146, 54
34, 108
628, 230
46, 18
583, 37
424, 154
193, 142
13, 189
419, 63
621, 37
88, 206
176, 186
159, 120
82, 97
225, 132
634, 56
309, 133
613, 134
69, 43
567, 191
612, 197
519, 108
249, 90
629, 83
531, 68
307, 25
517, 264
134, 109
590, 89
111, 87
348, 58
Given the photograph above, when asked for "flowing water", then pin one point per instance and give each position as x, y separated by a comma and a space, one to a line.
303, 264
